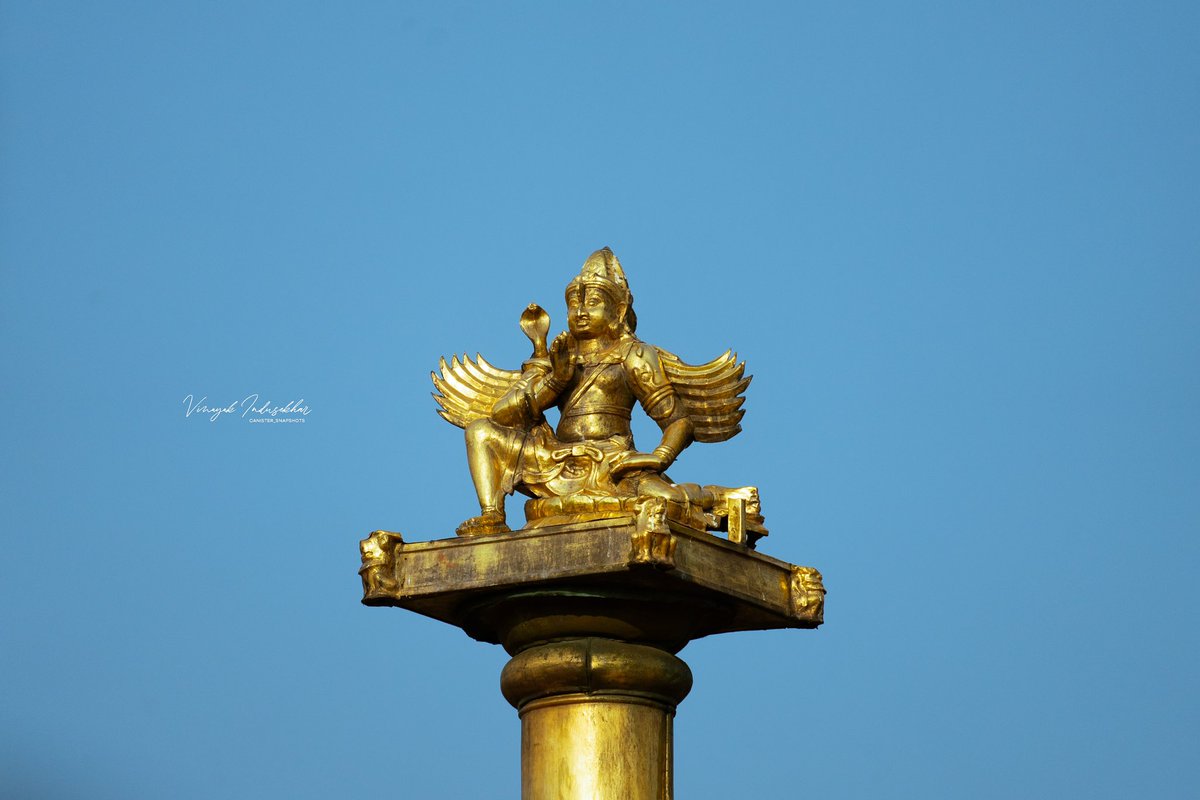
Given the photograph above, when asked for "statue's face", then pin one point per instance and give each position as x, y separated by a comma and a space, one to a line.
592, 314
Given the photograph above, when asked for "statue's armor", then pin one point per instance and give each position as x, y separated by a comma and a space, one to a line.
593, 429
599, 400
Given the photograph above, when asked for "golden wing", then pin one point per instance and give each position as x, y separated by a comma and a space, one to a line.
467, 390
711, 393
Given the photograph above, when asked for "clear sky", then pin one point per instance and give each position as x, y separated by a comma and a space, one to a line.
957, 244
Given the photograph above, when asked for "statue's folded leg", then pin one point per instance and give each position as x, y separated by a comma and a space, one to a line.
492, 453
742, 502
652, 485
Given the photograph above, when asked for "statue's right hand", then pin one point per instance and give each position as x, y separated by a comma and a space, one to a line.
562, 358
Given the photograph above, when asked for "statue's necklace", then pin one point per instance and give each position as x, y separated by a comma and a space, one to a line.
597, 359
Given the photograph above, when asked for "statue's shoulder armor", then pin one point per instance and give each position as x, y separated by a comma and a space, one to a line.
637, 354
649, 381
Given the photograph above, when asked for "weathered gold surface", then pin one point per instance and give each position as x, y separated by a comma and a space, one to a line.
592, 613
594, 373
652, 581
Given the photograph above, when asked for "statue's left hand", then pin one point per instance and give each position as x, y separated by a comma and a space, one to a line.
637, 462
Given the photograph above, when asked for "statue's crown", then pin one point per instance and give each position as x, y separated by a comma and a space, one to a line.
604, 270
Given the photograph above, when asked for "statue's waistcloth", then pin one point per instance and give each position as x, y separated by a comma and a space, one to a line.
538, 462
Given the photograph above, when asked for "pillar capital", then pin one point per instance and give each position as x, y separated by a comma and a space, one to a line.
595, 667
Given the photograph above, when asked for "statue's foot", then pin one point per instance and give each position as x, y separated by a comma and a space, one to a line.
485, 523
718, 515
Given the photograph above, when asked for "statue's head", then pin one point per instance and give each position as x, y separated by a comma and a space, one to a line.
599, 297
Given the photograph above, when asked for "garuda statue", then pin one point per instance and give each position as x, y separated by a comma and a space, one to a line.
588, 467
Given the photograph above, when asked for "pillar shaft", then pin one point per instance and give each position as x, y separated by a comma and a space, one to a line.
577, 747
596, 719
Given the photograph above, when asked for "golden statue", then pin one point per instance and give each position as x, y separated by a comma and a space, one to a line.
595, 373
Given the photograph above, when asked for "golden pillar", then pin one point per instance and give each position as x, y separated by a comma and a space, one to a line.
593, 614
596, 718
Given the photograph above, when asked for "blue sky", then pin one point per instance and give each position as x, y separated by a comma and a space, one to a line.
955, 242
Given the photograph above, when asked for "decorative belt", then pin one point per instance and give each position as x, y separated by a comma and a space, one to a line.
599, 408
